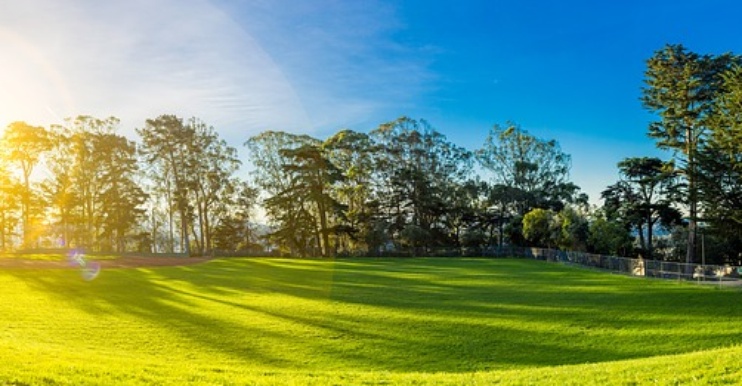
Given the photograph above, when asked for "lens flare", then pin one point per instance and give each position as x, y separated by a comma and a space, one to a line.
89, 270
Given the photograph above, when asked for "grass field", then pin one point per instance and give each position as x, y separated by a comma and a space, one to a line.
395, 321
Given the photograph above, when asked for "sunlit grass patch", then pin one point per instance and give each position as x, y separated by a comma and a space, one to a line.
34, 256
61, 256
355, 321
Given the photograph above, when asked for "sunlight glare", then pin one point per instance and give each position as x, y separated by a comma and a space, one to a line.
29, 84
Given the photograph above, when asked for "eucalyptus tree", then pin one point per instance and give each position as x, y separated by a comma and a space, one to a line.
682, 87
84, 146
645, 196
193, 170
23, 146
464, 217
92, 186
212, 165
352, 153
417, 170
166, 147
289, 215
9, 205
502, 208
121, 197
536, 170
60, 193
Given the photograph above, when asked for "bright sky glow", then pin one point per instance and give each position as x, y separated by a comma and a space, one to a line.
569, 70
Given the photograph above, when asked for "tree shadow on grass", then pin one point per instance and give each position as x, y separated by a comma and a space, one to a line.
593, 316
432, 315
131, 313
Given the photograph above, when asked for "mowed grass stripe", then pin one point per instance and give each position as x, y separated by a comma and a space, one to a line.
239, 319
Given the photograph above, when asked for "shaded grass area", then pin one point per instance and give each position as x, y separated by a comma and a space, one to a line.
356, 321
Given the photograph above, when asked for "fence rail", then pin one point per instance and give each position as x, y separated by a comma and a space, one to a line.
721, 274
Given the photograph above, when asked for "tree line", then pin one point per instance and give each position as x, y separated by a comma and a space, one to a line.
174, 191
402, 188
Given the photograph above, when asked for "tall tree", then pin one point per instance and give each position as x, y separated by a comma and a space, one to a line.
417, 170
212, 164
291, 221
720, 167
503, 203
720, 190
92, 187
314, 178
726, 118
681, 87
536, 168
9, 205
352, 153
121, 198
24, 145
60, 192
166, 145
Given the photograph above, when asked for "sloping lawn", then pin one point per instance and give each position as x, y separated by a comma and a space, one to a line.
400, 321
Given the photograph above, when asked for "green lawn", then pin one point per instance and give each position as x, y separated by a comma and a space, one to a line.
390, 321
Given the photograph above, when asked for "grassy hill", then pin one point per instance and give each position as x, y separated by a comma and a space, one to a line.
398, 321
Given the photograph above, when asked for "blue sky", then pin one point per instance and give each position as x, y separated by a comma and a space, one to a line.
568, 70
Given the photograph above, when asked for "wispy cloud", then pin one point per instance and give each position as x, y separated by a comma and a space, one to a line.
136, 60
346, 59
243, 67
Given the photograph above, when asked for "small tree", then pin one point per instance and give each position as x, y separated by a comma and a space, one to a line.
573, 230
608, 237
540, 228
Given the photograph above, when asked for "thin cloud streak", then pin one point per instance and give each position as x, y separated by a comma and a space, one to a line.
136, 60
344, 59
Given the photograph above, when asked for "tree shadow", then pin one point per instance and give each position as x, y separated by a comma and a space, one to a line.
431, 315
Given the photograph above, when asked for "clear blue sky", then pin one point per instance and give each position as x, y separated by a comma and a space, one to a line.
565, 70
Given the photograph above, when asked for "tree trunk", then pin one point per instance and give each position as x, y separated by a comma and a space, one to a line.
642, 241
25, 204
2, 231
325, 249
650, 244
690, 151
